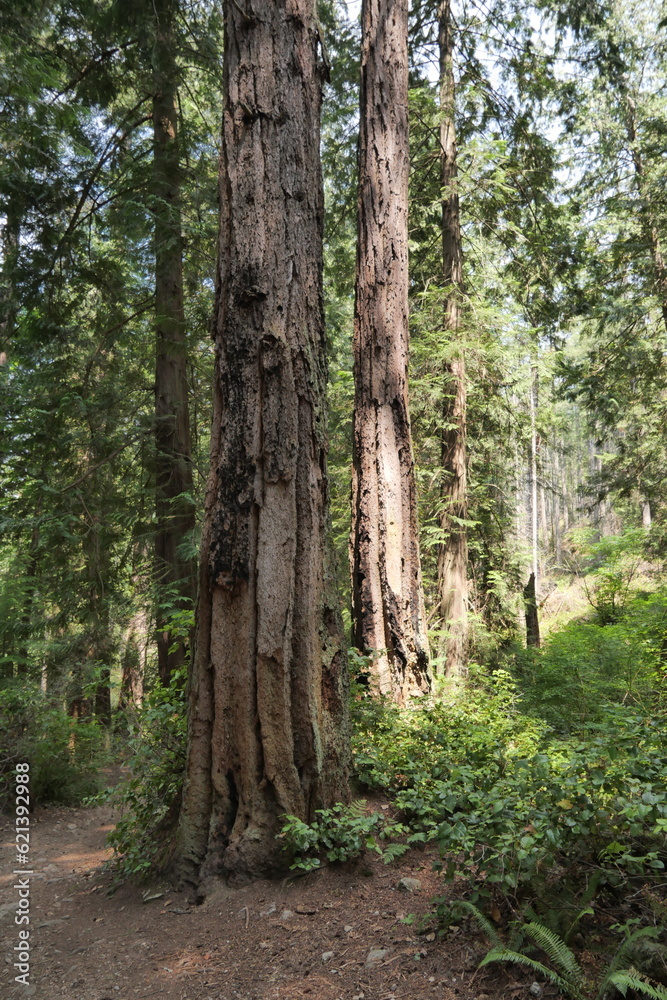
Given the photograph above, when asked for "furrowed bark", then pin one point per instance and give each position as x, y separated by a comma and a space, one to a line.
453, 553
388, 603
268, 732
175, 569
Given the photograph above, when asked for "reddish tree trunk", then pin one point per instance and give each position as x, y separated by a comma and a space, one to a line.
388, 602
268, 722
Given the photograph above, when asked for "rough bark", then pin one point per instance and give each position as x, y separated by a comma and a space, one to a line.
453, 552
532, 621
175, 570
268, 709
387, 596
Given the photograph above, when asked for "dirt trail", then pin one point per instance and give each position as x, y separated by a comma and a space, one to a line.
312, 937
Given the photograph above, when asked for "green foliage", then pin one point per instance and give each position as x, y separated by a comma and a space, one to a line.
64, 754
341, 833
506, 799
564, 970
148, 798
586, 665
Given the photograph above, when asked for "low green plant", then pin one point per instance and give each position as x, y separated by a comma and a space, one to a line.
148, 798
341, 834
507, 798
65, 754
565, 971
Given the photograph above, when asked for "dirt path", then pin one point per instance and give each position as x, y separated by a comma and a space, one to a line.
330, 936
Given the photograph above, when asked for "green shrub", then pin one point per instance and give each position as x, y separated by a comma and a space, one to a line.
64, 754
148, 798
341, 833
507, 799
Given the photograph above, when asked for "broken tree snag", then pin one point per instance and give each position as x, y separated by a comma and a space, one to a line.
388, 602
268, 730
532, 623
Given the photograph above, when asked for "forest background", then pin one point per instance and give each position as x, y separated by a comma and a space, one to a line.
109, 242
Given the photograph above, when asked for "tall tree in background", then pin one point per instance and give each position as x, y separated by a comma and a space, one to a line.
174, 501
267, 729
453, 553
388, 602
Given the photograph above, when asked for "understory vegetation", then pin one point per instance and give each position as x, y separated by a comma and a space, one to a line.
532, 772
542, 792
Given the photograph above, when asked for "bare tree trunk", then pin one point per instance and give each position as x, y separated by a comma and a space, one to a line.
545, 524
532, 621
131, 684
268, 731
387, 595
174, 505
558, 494
533, 470
646, 514
453, 553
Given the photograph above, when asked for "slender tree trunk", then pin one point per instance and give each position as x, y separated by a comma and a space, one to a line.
545, 525
533, 471
567, 497
453, 553
268, 731
131, 684
28, 598
646, 514
558, 495
532, 621
518, 498
387, 595
174, 506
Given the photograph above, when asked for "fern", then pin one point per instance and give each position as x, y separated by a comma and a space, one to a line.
556, 949
505, 955
393, 851
624, 953
486, 925
630, 980
570, 978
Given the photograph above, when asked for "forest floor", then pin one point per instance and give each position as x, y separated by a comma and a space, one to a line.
335, 934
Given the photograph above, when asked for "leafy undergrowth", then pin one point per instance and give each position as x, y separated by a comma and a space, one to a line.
544, 787
65, 755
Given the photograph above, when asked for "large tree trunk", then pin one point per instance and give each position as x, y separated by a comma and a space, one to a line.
174, 506
453, 553
268, 731
388, 602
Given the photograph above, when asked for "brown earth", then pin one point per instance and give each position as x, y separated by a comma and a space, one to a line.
272, 940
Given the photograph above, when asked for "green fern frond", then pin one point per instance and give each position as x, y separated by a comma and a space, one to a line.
587, 911
625, 951
624, 981
393, 851
505, 955
357, 808
556, 949
485, 924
